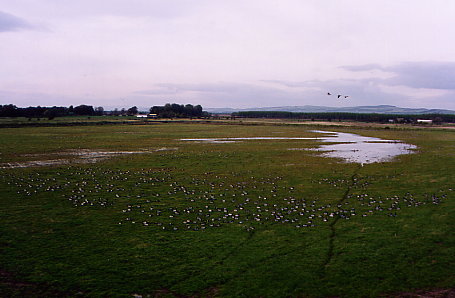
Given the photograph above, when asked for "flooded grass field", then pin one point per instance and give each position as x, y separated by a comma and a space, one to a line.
226, 210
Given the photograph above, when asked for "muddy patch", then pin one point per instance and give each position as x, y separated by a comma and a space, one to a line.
441, 293
12, 285
77, 156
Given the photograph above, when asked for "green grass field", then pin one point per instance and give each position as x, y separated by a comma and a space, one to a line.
247, 219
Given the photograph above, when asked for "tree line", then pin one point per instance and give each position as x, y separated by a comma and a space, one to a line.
178, 111
167, 111
338, 116
11, 110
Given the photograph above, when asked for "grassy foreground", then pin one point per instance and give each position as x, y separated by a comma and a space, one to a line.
176, 218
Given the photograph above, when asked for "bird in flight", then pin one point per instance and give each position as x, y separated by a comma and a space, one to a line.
339, 95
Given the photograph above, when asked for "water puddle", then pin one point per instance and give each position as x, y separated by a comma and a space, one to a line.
347, 146
359, 149
79, 156
234, 140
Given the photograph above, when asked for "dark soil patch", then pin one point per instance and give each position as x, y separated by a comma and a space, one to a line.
11, 286
440, 293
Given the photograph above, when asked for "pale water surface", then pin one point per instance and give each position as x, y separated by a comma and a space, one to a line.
233, 140
347, 146
359, 149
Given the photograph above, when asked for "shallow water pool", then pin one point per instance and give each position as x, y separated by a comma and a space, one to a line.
347, 146
360, 149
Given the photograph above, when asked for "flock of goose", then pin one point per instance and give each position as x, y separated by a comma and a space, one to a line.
168, 199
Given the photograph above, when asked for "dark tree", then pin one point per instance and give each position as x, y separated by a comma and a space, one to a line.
198, 110
156, 110
132, 111
50, 114
99, 111
9, 111
189, 110
84, 110
178, 111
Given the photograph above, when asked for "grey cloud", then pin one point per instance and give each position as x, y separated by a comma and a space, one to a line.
433, 75
8, 22
430, 75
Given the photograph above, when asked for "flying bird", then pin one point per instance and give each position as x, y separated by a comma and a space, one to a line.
339, 95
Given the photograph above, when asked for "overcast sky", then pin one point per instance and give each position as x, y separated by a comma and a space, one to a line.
231, 53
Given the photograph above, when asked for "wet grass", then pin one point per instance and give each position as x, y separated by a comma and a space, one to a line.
237, 219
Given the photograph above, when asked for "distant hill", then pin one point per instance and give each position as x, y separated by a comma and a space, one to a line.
381, 109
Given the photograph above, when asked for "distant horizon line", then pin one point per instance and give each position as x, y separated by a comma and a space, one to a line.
140, 107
